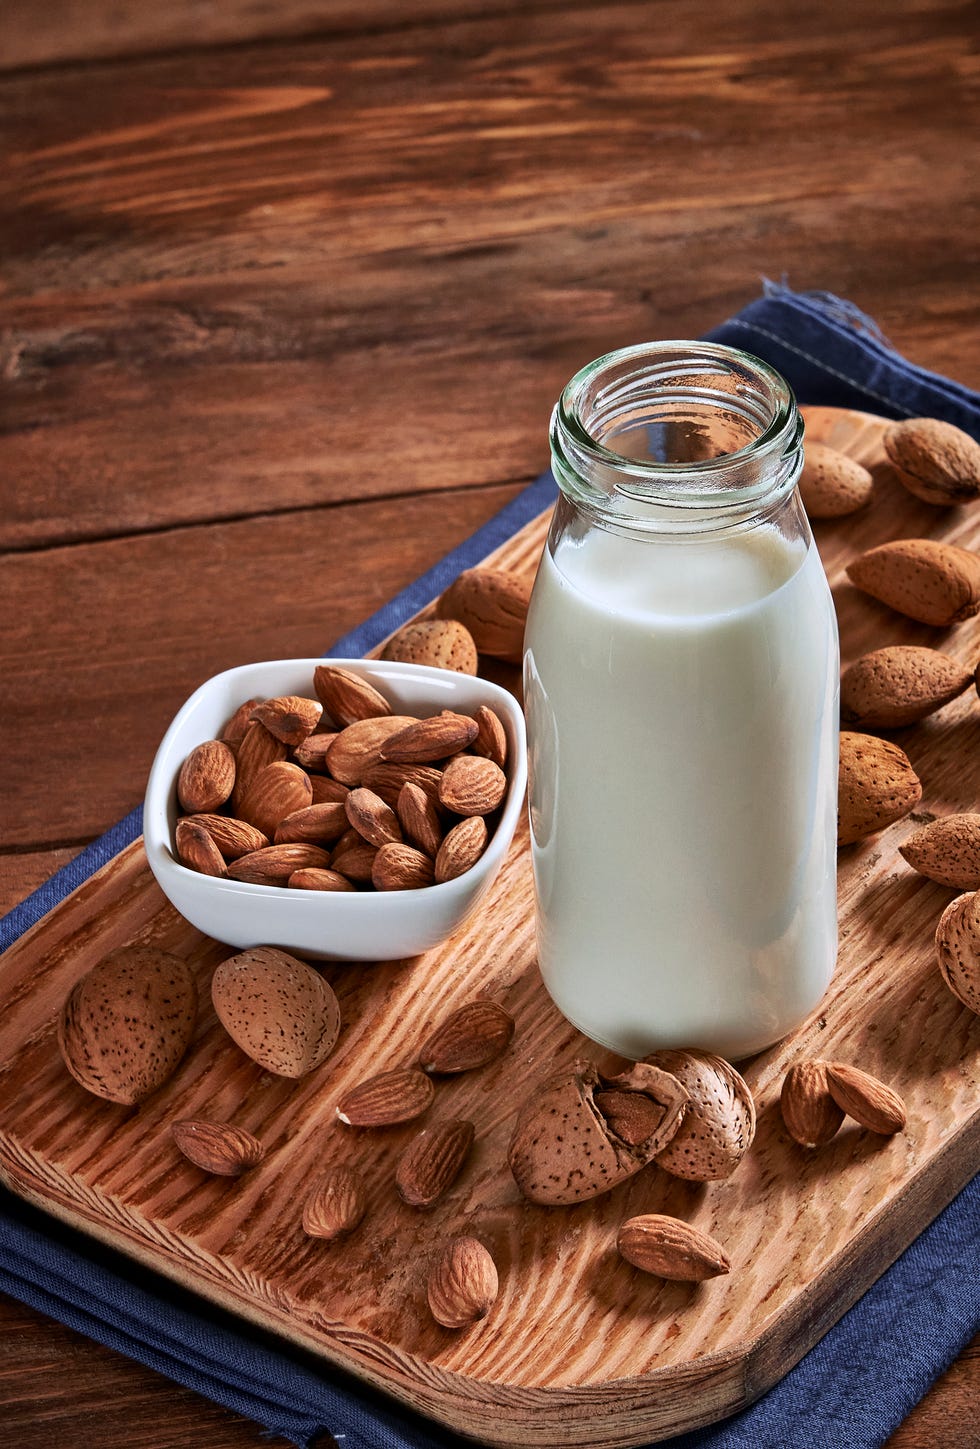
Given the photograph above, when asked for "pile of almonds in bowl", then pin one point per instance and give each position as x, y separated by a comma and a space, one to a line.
339, 808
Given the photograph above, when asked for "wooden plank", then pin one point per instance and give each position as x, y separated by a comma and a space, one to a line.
164, 612
230, 280
579, 1349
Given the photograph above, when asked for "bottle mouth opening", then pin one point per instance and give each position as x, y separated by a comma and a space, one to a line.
676, 426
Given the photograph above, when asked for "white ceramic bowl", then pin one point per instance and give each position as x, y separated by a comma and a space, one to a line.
355, 926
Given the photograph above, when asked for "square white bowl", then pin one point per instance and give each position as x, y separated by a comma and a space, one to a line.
366, 925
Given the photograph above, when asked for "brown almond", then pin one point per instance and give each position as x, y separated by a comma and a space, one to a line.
207, 777
399, 867
233, 837
432, 1161
387, 781
899, 685
235, 730
809, 1112
277, 790
314, 824
326, 790
461, 848
671, 1249
870, 1102
491, 739
372, 818
274, 864
311, 753
934, 583
463, 1283
832, 484
357, 748
277, 1009
958, 949
353, 857
877, 786
472, 785
631, 1116
430, 739
492, 604
472, 1036
127, 1023
310, 878
257, 749
346, 696
935, 460
336, 1204
217, 1147
289, 717
437, 643
947, 851
387, 1099
196, 848
419, 818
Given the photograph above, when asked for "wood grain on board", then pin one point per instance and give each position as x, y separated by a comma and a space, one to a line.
579, 1348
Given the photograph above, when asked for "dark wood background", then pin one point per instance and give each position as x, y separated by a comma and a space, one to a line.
287, 292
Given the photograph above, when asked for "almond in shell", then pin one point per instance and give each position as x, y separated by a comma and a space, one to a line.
832, 484
947, 851
931, 582
898, 685
719, 1125
877, 786
277, 1009
437, 643
217, 1147
958, 948
671, 1248
935, 460
127, 1023
565, 1150
492, 604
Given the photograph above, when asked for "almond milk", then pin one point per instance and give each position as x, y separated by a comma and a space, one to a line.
681, 695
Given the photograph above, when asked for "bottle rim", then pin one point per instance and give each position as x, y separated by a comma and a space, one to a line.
617, 486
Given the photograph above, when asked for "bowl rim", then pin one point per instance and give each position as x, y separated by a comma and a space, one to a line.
162, 781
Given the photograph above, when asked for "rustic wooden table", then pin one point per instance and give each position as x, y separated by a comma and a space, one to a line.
288, 292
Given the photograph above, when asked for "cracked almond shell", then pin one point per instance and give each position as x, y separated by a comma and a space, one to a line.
718, 1127
564, 1150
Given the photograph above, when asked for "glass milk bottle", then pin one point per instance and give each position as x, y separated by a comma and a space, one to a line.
681, 674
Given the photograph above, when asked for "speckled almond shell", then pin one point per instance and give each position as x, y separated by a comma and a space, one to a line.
958, 948
899, 685
934, 460
876, 786
934, 583
126, 1024
947, 851
279, 1010
719, 1124
563, 1150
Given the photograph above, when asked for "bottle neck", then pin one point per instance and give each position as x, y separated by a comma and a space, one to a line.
677, 437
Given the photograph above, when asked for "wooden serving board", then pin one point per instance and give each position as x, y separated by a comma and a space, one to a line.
579, 1349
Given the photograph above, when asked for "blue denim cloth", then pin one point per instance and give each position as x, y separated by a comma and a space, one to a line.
850, 1391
